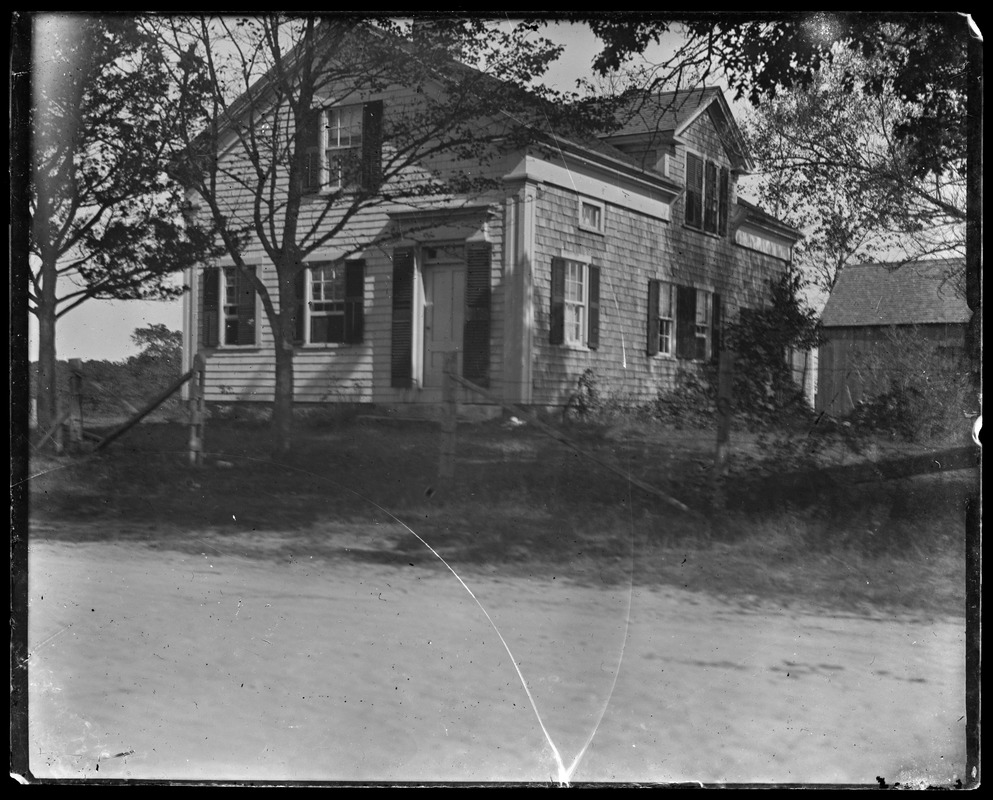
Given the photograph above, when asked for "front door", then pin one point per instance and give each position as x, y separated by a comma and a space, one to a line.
444, 316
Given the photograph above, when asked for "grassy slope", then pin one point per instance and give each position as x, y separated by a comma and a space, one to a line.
521, 504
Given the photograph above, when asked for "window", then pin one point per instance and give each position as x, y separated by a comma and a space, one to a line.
575, 311
702, 326
591, 216
228, 308
683, 321
661, 318
344, 147
330, 300
575, 302
707, 195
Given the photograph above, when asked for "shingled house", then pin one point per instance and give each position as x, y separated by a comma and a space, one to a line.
872, 301
622, 256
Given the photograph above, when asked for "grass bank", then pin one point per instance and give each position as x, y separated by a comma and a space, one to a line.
521, 504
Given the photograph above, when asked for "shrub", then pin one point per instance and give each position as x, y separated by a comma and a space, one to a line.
691, 404
926, 395
765, 392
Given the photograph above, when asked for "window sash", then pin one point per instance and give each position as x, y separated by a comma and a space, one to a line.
591, 216
702, 327
667, 322
237, 317
334, 151
575, 302
707, 195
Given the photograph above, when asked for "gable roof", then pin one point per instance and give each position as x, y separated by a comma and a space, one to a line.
667, 115
900, 293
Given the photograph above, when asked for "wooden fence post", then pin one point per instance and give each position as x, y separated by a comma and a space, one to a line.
449, 419
196, 408
725, 397
75, 402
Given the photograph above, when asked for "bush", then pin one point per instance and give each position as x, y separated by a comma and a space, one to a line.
927, 394
589, 403
692, 404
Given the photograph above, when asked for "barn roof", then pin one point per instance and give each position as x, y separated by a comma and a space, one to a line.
898, 293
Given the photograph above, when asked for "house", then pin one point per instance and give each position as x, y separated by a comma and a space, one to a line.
621, 255
869, 304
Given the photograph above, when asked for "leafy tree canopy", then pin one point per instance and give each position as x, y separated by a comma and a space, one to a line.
760, 55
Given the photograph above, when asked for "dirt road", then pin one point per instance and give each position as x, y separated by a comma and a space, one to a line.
147, 663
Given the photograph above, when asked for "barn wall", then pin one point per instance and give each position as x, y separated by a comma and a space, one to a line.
842, 379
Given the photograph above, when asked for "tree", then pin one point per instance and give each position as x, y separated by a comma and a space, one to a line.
763, 341
833, 165
268, 72
158, 343
105, 220
932, 61
761, 55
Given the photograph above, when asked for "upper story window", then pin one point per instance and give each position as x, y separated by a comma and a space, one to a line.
344, 147
575, 308
591, 216
707, 195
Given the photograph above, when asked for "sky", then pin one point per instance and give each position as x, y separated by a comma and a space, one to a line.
101, 330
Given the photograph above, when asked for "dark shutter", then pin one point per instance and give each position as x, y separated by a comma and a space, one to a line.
593, 312
402, 336
685, 322
299, 297
476, 330
354, 300
210, 308
556, 334
716, 325
710, 198
372, 146
312, 146
694, 191
723, 200
654, 293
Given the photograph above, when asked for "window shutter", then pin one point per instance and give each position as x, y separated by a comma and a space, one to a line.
556, 333
685, 322
210, 306
694, 191
654, 293
299, 295
372, 146
716, 325
354, 300
476, 330
710, 198
593, 311
402, 339
723, 200
245, 293
312, 146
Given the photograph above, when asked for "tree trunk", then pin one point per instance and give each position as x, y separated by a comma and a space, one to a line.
47, 389
282, 405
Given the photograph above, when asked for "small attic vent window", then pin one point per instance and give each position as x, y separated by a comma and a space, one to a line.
591, 216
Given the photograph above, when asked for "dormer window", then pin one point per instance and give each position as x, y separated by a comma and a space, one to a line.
707, 195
